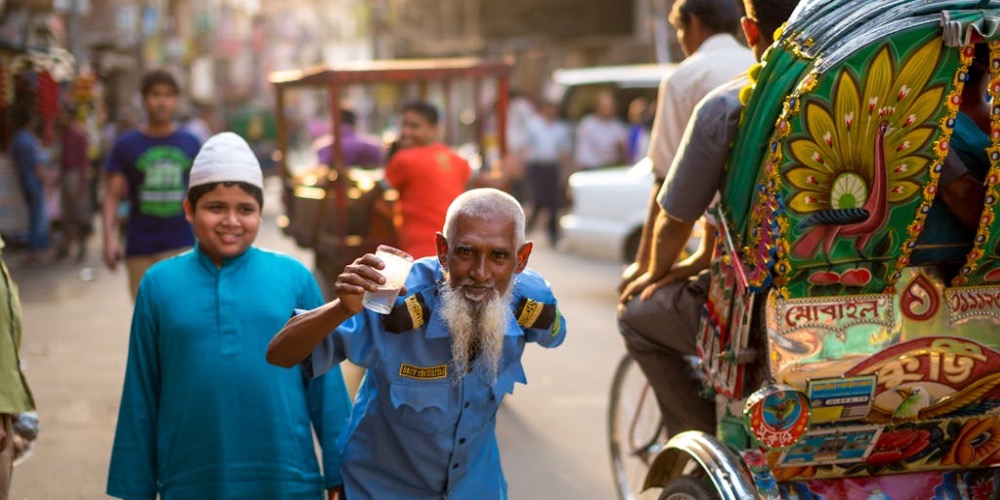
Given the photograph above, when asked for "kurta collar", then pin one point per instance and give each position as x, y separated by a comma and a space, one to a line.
230, 263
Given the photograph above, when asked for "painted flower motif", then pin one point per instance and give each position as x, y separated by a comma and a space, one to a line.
899, 445
983, 491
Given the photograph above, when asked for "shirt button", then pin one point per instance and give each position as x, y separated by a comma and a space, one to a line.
454, 466
492, 397
461, 440
466, 404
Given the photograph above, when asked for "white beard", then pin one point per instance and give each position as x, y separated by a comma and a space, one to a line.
471, 323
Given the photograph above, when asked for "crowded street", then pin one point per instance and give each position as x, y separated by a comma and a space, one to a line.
76, 323
472, 249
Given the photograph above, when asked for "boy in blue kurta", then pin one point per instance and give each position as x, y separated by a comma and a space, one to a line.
203, 416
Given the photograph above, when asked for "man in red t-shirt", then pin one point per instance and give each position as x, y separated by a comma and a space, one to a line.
428, 176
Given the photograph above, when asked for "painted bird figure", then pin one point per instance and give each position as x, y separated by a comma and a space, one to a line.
825, 226
862, 147
915, 399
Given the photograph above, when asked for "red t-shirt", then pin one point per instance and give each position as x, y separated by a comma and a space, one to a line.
428, 179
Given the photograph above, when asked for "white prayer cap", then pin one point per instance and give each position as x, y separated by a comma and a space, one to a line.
226, 157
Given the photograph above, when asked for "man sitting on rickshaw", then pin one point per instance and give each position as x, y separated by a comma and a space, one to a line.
671, 292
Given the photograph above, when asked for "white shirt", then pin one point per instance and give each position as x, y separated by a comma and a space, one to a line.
547, 141
600, 142
720, 58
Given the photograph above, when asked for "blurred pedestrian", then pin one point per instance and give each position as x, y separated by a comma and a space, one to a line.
151, 165
356, 150
15, 395
199, 124
520, 113
601, 137
74, 168
705, 30
428, 176
203, 415
34, 177
548, 150
639, 122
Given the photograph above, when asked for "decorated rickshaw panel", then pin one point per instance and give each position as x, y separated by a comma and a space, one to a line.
860, 152
898, 382
982, 267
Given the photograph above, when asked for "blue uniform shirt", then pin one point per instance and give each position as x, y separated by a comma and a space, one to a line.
203, 415
414, 432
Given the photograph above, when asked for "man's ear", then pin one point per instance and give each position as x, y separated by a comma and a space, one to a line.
750, 30
442, 248
522, 256
188, 211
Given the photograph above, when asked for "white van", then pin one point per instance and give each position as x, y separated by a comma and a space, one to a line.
609, 205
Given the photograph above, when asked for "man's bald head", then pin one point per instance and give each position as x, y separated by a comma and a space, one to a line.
485, 203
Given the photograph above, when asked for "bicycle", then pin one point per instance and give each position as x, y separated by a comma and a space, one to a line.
635, 429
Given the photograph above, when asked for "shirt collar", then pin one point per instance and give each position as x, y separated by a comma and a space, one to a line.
717, 42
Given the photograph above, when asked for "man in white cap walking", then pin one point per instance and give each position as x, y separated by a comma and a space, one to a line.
202, 413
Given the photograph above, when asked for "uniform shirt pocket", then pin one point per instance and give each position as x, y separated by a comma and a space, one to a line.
423, 406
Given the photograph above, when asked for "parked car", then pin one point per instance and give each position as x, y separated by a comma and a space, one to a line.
609, 207
576, 89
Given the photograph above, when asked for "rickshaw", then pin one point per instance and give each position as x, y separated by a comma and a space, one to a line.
842, 367
343, 211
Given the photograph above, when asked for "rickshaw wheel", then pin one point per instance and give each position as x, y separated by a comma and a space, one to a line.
688, 488
635, 430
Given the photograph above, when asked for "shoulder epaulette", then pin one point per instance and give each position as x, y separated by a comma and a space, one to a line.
534, 314
410, 315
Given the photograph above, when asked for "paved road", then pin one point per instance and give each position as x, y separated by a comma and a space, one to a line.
76, 336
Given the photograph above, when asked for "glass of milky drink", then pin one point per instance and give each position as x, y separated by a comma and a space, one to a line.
397, 268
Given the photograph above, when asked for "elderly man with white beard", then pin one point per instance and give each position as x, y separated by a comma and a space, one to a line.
439, 364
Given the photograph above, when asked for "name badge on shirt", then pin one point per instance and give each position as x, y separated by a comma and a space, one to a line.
423, 372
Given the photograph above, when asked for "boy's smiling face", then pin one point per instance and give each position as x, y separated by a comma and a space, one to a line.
225, 221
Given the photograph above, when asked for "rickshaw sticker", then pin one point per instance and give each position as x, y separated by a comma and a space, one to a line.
840, 399
965, 304
777, 416
837, 445
836, 314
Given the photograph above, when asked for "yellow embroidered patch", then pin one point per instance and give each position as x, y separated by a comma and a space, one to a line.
416, 312
529, 315
422, 372
557, 324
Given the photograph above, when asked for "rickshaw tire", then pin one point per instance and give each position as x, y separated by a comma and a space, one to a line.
688, 488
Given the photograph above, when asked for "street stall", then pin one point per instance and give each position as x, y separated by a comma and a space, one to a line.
39, 78
342, 211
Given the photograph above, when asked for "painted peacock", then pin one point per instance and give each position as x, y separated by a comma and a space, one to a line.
863, 150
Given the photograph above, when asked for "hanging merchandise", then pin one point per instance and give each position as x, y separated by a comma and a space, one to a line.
47, 92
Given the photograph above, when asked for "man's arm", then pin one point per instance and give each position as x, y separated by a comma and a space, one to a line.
301, 334
642, 257
113, 193
670, 235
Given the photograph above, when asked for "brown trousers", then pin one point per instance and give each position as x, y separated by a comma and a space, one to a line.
138, 265
659, 333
